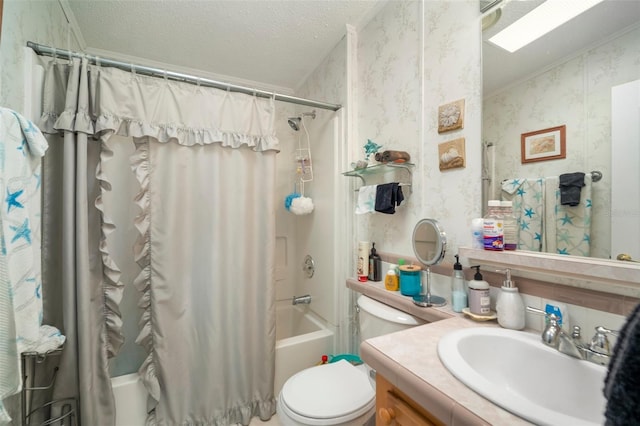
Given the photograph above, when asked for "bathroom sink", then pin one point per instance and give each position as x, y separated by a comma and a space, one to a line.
516, 371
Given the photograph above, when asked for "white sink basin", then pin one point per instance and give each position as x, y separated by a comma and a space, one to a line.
516, 371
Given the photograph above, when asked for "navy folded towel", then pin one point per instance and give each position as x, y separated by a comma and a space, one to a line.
388, 196
622, 385
570, 186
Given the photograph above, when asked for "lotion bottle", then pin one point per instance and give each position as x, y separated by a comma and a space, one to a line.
375, 265
479, 299
510, 306
391, 279
458, 292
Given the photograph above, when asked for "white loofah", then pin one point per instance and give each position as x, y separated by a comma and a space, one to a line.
301, 205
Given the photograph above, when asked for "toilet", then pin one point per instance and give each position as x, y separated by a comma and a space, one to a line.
340, 393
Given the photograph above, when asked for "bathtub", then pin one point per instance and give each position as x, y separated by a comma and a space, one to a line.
301, 340
131, 400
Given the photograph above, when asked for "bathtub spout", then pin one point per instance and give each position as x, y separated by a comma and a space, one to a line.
306, 299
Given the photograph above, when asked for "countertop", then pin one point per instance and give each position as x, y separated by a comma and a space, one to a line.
409, 360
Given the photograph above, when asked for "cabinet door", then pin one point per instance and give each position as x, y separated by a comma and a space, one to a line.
395, 408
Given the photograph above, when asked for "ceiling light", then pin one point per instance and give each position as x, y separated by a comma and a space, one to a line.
541, 20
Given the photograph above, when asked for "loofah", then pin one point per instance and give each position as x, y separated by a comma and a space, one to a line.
301, 205
289, 198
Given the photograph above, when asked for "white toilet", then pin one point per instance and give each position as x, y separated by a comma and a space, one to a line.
340, 393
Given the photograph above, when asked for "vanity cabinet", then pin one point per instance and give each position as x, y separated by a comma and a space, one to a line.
395, 408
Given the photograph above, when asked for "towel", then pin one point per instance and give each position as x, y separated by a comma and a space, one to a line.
622, 385
366, 199
22, 146
567, 229
388, 196
527, 195
570, 186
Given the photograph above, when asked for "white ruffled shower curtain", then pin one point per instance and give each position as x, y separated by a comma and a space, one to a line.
205, 163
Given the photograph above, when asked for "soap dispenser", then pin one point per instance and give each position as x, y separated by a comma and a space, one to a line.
375, 265
479, 298
458, 292
510, 306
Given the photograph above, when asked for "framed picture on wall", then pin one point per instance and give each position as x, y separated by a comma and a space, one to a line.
543, 145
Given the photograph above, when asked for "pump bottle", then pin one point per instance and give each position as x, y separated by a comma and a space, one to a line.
479, 299
458, 292
375, 265
510, 305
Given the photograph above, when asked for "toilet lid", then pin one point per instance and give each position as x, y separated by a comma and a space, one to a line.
328, 391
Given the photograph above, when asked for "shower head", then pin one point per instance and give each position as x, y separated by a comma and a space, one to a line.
294, 122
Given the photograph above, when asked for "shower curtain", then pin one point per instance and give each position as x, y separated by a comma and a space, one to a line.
205, 162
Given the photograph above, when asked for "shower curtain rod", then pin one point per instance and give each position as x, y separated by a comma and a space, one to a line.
187, 78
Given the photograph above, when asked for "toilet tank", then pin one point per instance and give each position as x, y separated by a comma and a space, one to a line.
377, 319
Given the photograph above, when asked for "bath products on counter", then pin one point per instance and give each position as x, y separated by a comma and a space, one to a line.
375, 265
509, 226
391, 279
410, 282
477, 236
479, 299
492, 227
458, 291
363, 261
400, 263
510, 306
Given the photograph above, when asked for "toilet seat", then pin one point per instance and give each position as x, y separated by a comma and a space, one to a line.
329, 394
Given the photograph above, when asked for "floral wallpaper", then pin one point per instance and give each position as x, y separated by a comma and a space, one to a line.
412, 58
26, 20
576, 93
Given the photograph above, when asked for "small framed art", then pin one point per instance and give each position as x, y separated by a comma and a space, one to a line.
451, 154
451, 116
543, 145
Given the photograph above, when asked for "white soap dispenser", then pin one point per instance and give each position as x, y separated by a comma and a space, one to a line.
510, 305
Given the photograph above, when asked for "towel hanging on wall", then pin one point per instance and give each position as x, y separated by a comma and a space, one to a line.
388, 196
570, 186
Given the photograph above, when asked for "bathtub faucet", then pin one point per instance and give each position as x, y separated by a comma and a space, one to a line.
306, 299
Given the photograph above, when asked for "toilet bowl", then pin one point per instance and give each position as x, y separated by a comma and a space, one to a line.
341, 394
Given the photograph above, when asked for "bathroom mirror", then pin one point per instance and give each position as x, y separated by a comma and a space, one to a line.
429, 242
563, 78
429, 247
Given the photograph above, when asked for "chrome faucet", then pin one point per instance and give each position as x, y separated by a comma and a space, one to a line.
597, 351
306, 299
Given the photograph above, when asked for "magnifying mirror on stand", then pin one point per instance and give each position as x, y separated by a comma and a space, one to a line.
429, 246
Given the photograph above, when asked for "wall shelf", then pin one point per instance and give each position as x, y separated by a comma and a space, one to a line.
380, 169
576, 267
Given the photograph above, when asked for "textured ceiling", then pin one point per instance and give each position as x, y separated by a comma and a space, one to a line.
277, 43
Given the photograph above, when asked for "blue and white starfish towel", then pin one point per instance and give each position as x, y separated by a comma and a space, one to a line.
545, 224
22, 146
527, 196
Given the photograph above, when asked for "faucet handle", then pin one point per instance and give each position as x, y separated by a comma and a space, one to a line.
600, 342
